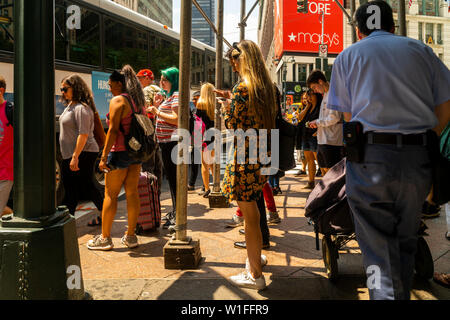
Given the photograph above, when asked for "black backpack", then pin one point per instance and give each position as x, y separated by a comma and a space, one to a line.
9, 110
140, 141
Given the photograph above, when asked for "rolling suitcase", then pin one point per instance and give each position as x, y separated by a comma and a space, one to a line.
150, 214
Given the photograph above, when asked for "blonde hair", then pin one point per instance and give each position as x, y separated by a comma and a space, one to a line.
261, 91
207, 100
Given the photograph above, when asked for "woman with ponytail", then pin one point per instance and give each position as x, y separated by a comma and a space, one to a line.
119, 169
79, 150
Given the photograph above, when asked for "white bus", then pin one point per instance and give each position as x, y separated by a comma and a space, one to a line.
94, 37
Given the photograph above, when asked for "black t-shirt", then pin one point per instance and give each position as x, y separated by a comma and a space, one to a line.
310, 116
204, 116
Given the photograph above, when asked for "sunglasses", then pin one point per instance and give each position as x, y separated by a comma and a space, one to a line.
64, 89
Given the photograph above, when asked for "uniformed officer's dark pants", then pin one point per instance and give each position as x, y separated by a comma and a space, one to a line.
386, 193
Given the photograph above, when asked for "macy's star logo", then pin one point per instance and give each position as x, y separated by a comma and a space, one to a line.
292, 37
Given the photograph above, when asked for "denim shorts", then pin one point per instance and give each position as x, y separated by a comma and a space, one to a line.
120, 160
309, 144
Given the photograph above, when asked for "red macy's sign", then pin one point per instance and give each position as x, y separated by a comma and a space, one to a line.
301, 32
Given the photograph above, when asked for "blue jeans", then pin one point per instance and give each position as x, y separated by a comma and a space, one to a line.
386, 193
274, 181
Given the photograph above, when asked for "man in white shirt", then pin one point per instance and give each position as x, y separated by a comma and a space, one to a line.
329, 125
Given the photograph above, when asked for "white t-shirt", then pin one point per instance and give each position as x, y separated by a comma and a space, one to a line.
329, 125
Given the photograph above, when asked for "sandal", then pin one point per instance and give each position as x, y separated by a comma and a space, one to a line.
442, 278
95, 222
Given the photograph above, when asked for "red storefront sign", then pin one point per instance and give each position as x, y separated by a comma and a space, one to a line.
301, 32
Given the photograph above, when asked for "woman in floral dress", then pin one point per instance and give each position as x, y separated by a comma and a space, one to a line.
251, 106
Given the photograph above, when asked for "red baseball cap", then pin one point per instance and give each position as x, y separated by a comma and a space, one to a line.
146, 73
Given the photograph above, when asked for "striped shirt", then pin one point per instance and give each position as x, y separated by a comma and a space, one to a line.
164, 130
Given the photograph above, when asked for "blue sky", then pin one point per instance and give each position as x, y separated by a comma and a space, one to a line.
232, 14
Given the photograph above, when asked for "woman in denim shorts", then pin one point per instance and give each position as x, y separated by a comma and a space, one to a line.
121, 171
309, 139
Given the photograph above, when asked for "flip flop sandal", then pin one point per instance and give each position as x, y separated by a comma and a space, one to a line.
95, 222
442, 278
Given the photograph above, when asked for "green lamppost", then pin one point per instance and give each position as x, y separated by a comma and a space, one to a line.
39, 257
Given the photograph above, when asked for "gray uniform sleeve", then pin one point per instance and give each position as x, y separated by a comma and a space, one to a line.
84, 119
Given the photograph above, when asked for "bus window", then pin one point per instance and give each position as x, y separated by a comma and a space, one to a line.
163, 55
7, 26
125, 45
197, 67
76, 42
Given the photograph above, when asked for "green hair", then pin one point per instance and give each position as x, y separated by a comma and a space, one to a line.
172, 74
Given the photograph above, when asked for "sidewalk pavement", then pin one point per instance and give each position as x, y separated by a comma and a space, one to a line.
295, 269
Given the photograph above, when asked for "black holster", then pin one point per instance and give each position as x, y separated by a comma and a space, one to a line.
354, 141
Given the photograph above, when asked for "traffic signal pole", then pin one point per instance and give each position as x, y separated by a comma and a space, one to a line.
39, 256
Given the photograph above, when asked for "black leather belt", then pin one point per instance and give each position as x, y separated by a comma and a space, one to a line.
396, 138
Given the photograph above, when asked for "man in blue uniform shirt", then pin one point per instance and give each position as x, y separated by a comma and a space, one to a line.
398, 89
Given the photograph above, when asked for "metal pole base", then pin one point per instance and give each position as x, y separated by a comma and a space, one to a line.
217, 200
179, 255
40, 259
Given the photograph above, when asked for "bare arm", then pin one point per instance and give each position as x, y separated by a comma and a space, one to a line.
81, 142
442, 112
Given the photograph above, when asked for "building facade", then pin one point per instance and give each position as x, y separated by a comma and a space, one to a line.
160, 11
426, 20
201, 30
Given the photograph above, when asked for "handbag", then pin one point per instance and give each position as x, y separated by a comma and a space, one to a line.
287, 136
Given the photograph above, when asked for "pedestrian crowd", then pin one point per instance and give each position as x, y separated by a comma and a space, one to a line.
369, 112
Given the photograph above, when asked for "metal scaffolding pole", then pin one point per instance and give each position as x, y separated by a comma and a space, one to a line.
242, 24
205, 16
216, 199
182, 252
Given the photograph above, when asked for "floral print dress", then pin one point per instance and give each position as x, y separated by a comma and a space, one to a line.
242, 181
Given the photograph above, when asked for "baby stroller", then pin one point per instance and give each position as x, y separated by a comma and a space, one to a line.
328, 210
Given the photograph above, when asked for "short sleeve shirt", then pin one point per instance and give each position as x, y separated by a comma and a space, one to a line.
389, 83
164, 130
75, 120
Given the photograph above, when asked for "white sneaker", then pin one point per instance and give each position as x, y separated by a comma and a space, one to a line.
245, 280
263, 262
236, 221
100, 243
130, 241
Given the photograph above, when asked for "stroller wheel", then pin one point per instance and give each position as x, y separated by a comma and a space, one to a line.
424, 261
330, 255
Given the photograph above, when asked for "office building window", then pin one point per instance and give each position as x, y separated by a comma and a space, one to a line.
439, 34
428, 7
420, 31
429, 32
